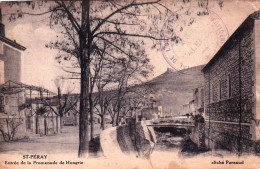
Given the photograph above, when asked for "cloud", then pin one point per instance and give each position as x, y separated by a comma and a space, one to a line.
38, 61
27, 34
44, 33
22, 33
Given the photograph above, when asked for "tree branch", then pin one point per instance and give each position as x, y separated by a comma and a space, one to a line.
119, 10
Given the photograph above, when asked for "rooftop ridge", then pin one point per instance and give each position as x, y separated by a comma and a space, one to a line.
255, 15
12, 43
245, 24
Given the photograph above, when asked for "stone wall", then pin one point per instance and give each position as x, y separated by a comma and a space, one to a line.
136, 137
132, 139
124, 139
226, 136
229, 92
198, 135
144, 139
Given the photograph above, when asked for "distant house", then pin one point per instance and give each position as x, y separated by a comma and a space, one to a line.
149, 113
185, 109
196, 105
20, 103
198, 100
70, 105
232, 82
160, 111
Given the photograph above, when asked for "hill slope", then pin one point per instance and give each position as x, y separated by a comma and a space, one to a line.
174, 88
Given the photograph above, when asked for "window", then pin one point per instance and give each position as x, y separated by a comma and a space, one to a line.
1, 72
1, 104
1, 48
220, 89
229, 86
215, 91
6, 100
202, 98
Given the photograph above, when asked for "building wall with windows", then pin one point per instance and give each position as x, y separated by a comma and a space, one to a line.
230, 90
2, 103
1, 72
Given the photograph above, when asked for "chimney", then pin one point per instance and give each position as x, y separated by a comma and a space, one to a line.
2, 26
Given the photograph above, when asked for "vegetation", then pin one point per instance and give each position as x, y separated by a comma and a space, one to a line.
105, 44
9, 127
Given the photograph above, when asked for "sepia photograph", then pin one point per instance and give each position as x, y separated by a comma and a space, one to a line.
130, 84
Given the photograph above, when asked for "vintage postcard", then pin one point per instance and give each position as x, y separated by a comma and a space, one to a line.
130, 84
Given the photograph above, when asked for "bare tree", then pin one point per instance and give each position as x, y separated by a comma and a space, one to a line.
83, 28
9, 127
103, 103
102, 98
62, 104
128, 72
138, 99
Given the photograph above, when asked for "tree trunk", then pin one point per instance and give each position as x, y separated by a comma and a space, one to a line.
91, 118
83, 115
45, 126
118, 107
37, 124
84, 55
53, 128
57, 124
114, 123
61, 123
118, 112
7, 125
102, 122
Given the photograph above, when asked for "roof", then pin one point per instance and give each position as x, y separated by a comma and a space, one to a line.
15, 87
12, 43
235, 36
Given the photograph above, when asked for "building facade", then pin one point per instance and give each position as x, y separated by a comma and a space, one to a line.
196, 105
149, 113
21, 111
232, 81
11, 55
198, 101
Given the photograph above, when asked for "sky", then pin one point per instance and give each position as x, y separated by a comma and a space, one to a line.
200, 42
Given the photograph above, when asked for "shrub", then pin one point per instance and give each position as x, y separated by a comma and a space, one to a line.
9, 126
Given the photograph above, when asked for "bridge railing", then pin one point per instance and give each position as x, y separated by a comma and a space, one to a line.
174, 120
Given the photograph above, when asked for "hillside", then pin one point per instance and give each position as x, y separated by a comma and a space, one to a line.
174, 88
